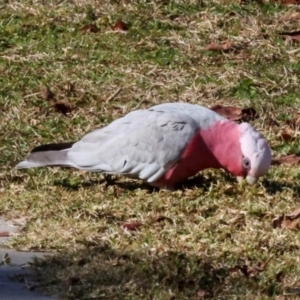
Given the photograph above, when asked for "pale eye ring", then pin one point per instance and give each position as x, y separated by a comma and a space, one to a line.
246, 163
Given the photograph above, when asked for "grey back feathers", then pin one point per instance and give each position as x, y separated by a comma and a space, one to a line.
204, 117
143, 144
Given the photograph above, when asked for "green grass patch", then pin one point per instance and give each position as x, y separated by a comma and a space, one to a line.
206, 236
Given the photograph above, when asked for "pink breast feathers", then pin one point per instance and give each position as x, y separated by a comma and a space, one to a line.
216, 147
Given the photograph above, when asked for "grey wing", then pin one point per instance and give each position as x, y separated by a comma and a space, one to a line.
143, 144
204, 117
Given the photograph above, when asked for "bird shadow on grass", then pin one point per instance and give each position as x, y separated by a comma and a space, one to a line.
100, 272
106, 181
273, 187
197, 181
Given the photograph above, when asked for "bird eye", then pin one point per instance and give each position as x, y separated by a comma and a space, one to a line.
246, 163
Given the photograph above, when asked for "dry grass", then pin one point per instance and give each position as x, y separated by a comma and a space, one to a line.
204, 237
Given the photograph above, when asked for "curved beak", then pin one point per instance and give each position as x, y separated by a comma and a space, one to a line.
251, 179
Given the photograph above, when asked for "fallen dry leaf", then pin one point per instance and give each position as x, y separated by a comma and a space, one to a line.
90, 28
235, 113
290, 131
288, 2
238, 220
290, 16
286, 160
291, 36
294, 123
4, 234
250, 271
295, 213
278, 221
163, 218
132, 226
289, 221
272, 122
61, 107
120, 26
219, 47
287, 135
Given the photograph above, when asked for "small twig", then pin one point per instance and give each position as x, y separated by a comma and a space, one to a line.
139, 104
31, 95
263, 266
113, 95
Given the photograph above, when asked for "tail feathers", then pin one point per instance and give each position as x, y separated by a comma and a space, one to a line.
47, 155
53, 147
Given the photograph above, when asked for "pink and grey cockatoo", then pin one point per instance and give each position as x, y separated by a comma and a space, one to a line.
163, 145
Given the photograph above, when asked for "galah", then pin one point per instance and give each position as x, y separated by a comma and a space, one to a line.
163, 145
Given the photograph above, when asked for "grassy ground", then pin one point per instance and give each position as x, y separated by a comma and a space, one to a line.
209, 239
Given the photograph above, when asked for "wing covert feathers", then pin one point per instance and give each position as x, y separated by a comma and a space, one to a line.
143, 144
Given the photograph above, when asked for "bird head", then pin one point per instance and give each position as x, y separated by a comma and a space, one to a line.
256, 153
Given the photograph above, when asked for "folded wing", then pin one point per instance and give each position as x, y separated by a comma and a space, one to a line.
143, 144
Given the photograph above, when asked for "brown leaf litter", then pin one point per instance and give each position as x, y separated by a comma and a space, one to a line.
288, 2
288, 134
289, 221
61, 107
90, 28
132, 226
235, 113
219, 47
251, 271
290, 36
120, 26
295, 123
286, 160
